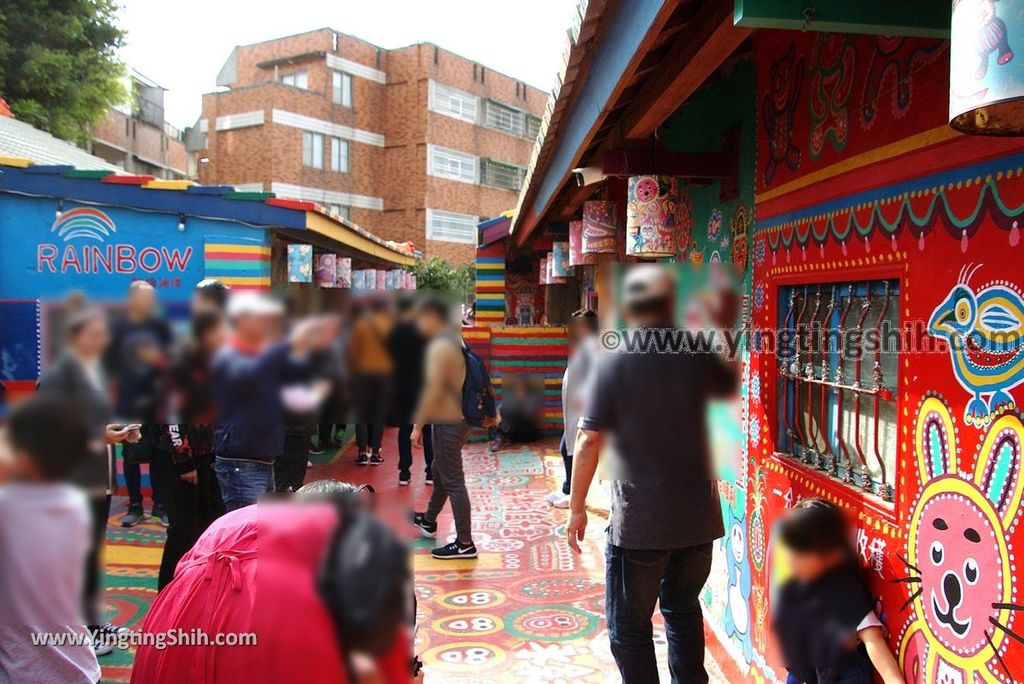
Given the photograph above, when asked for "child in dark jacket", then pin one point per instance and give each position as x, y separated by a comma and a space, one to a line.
824, 615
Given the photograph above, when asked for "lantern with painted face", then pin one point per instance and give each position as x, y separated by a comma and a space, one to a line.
652, 218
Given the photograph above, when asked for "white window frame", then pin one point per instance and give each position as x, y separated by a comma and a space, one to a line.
339, 155
296, 79
312, 150
452, 164
341, 88
460, 228
453, 102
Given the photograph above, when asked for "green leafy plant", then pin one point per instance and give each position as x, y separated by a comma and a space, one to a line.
439, 275
59, 69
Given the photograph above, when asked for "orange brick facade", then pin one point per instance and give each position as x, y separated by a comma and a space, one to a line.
254, 131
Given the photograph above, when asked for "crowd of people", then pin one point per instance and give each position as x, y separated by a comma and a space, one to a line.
227, 417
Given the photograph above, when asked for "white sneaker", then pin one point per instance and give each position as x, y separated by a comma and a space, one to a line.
559, 500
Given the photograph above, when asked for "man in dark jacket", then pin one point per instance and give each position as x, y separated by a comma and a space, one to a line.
247, 376
136, 361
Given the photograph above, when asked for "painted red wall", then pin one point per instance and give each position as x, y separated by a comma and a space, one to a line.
858, 176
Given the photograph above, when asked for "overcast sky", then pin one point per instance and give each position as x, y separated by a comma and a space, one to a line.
182, 45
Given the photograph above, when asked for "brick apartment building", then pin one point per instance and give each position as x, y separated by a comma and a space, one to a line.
135, 136
415, 143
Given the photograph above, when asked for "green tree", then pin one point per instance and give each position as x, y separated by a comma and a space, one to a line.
59, 69
437, 274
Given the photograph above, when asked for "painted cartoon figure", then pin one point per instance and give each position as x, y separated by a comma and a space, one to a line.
989, 29
737, 601
959, 560
984, 331
787, 75
647, 189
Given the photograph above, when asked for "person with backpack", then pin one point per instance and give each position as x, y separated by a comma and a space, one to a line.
457, 394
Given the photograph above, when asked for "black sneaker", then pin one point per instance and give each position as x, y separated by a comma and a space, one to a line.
159, 514
316, 451
363, 459
430, 478
105, 637
376, 459
427, 529
454, 551
404, 479
131, 518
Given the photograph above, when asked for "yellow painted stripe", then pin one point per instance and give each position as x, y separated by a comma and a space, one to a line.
322, 225
491, 295
241, 280
19, 162
161, 184
914, 142
488, 561
238, 249
490, 314
120, 554
490, 267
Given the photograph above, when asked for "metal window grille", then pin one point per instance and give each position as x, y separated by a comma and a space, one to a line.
501, 175
838, 373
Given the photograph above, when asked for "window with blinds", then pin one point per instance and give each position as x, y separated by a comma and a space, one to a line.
501, 175
452, 102
452, 164
504, 118
448, 226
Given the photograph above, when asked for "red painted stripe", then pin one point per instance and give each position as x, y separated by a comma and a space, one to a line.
127, 180
301, 205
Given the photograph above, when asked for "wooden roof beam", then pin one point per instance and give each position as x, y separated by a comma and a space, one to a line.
699, 53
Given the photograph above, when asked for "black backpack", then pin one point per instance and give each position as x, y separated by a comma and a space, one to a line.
365, 580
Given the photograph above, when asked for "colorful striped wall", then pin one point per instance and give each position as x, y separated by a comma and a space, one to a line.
533, 350
490, 284
241, 266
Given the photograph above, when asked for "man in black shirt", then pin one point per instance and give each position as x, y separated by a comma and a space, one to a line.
649, 409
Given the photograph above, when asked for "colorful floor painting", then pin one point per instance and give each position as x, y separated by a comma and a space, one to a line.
527, 610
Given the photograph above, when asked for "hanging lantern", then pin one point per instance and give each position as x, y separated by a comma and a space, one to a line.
412, 281
576, 255
382, 277
599, 231
359, 279
369, 279
560, 259
542, 270
986, 78
326, 270
652, 219
343, 272
300, 263
552, 277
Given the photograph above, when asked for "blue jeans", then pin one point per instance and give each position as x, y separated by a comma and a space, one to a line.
635, 581
241, 482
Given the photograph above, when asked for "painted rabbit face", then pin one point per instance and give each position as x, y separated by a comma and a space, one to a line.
647, 190
958, 551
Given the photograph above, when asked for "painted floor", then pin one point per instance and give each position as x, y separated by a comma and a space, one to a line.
527, 610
